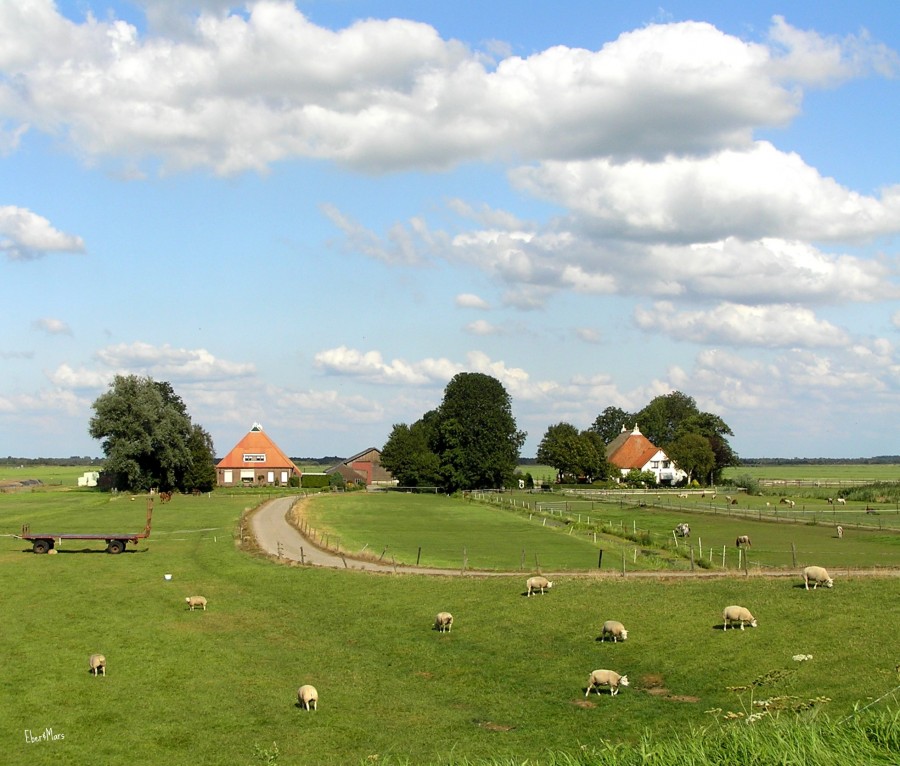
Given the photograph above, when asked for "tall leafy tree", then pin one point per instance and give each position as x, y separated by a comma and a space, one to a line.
692, 454
201, 473
579, 454
716, 431
608, 424
408, 456
145, 433
558, 449
659, 421
475, 434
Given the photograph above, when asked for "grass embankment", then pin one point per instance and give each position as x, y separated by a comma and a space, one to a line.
506, 685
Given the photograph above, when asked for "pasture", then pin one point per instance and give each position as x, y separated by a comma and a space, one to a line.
507, 683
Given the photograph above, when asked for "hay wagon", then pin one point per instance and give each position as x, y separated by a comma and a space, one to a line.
44, 542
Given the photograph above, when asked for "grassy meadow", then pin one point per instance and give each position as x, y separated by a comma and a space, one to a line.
505, 686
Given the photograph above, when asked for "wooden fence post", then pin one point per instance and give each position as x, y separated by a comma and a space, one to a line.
793, 555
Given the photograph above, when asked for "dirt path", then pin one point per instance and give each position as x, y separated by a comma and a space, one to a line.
275, 535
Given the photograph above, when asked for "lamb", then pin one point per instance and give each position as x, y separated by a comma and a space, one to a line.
737, 614
443, 622
538, 583
742, 540
606, 678
308, 697
683, 495
615, 629
840, 532
97, 663
194, 601
817, 576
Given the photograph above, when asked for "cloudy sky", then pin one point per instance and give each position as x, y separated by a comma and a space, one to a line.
313, 214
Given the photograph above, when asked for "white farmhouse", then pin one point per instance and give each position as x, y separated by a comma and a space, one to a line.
632, 450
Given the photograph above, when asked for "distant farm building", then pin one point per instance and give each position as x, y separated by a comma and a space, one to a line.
364, 468
631, 450
255, 461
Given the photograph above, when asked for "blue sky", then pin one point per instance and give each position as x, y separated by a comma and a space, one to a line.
312, 215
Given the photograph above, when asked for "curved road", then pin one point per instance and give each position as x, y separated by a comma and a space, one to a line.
277, 537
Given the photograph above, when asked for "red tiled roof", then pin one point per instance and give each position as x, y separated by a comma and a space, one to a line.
630, 450
257, 442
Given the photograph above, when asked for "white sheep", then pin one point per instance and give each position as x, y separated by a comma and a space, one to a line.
817, 576
308, 697
97, 663
443, 622
606, 678
615, 629
840, 532
538, 583
842, 501
743, 540
737, 614
195, 601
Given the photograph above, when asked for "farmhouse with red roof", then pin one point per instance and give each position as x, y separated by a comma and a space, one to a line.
255, 461
631, 450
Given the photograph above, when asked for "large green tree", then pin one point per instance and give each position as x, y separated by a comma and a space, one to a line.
608, 424
573, 453
201, 473
408, 456
146, 434
475, 434
693, 454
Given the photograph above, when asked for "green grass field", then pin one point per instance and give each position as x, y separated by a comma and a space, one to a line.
507, 683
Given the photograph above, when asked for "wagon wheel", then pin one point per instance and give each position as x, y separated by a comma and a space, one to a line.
115, 546
41, 546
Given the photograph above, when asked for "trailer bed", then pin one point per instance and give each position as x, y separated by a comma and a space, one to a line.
44, 542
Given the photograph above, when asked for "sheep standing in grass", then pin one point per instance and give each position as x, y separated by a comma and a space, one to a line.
606, 678
97, 663
737, 614
840, 532
743, 540
443, 622
817, 576
308, 697
196, 601
842, 501
538, 583
615, 629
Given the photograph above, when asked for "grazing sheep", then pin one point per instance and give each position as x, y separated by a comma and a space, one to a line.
606, 678
683, 495
791, 503
615, 629
743, 540
98, 664
830, 500
538, 583
443, 622
308, 697
737, 614
842, 501
194, 601
840, 532
728, 498
683, 530
817, 576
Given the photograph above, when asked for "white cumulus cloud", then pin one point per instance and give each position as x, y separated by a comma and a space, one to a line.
25, 235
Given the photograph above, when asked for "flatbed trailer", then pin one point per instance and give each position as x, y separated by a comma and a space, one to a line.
44, 542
